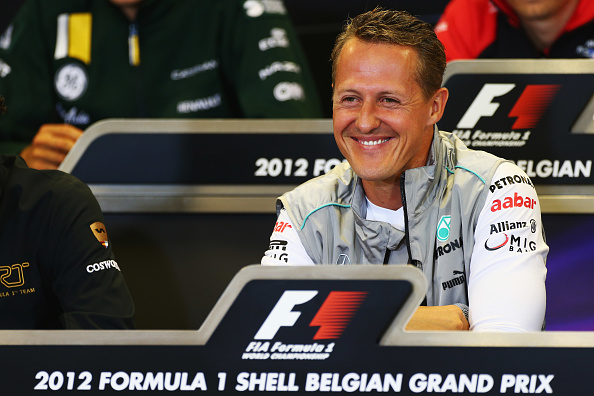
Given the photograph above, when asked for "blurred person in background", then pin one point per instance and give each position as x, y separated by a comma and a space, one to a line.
472, 29
57, 268
65, 64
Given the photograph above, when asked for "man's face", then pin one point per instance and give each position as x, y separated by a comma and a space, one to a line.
383, 125
538, 9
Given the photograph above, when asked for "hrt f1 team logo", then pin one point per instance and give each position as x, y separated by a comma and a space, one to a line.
528, 110
332, 319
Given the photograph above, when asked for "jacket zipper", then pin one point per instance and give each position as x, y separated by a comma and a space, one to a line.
404, 208
416, 263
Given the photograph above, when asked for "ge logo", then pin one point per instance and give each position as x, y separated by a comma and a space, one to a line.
71, 82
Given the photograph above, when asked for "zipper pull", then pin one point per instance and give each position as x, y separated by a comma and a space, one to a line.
133, 47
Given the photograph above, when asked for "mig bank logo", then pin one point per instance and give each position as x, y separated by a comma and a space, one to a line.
443, 228
332, 318
528, 109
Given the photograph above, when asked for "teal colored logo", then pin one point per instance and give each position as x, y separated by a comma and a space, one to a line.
443, 228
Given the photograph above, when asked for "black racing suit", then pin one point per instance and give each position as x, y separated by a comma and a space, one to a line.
57, 269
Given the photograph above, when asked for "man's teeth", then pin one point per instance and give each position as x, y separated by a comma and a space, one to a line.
374, 142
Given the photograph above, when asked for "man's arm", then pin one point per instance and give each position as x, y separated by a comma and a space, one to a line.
506, 284
285, 246
86, 278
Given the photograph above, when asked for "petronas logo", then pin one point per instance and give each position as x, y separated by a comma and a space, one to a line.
443, 228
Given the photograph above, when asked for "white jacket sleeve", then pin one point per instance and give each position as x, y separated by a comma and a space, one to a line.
285, 246
506, 286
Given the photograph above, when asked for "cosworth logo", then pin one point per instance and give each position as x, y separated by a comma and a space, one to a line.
528, 110
332, 318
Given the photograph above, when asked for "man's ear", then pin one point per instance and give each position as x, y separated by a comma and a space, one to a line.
438, 103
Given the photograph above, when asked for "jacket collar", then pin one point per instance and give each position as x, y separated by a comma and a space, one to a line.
422, 185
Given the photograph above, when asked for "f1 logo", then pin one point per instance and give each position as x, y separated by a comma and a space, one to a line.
528, 109
282, 314
333, 316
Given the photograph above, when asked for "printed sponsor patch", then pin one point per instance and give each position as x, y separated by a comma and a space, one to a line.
71, 82
6, 37
256, 8
5, 69
443, 228
100, 233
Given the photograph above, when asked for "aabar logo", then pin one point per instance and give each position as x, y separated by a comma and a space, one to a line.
280, 226
528, 109
332, 318
100, 233
517, 201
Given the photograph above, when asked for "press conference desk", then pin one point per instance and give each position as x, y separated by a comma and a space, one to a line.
272, 331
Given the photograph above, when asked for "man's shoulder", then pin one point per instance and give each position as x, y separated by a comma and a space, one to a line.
34, 184
334, 188
462, 161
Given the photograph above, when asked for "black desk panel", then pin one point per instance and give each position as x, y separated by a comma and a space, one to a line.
300, 331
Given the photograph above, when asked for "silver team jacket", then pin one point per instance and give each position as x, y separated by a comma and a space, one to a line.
441, 202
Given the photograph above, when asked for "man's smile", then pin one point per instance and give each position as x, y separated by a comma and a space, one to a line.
372, 142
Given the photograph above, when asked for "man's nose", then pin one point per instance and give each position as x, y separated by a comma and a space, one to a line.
367, 119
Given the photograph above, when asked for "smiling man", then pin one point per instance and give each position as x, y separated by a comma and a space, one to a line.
411, 194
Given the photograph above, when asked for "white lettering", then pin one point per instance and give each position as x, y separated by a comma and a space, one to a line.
282, 314
192, 71
193, 106
103, 266
288, 91
482, 106
278, 67
547, 168
278, 38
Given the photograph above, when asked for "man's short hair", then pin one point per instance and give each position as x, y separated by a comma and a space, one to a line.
2, 106
399, 28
